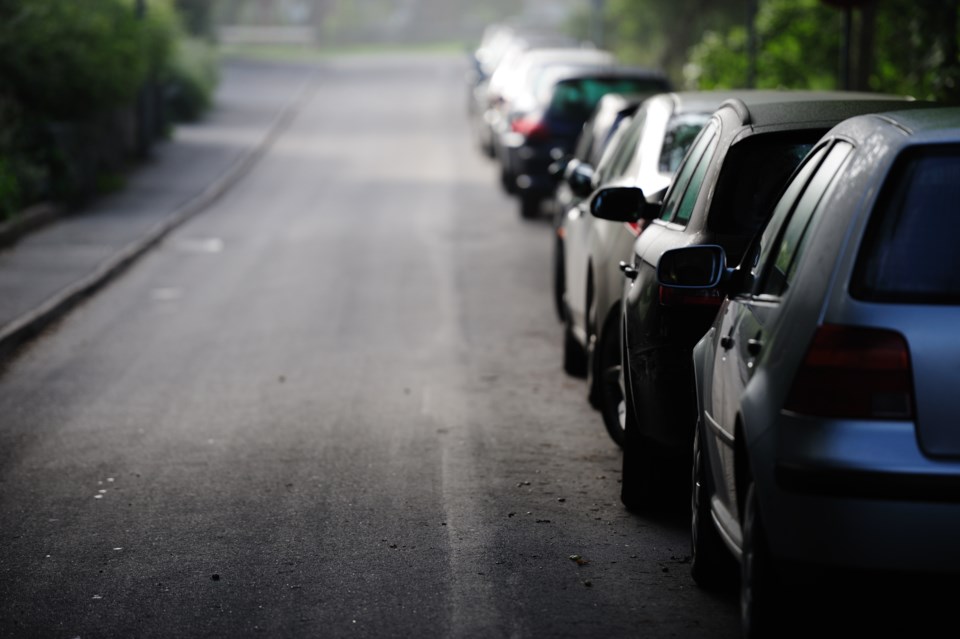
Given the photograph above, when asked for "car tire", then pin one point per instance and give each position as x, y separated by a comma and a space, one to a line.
574, 357
508, 181
559, 280
759, 601
638, 488
529, 206
711, 564
607, 384
487, 149
642, 465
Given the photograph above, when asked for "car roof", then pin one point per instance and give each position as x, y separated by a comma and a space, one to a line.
761, 108
618, 101
699, 101
561, 72
901, 127
549, 54
918, 121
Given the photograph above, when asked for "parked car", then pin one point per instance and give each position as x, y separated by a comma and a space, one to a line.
494, 65
723, 192
513, 87
647, 155
826, 432
574, 173
547, 122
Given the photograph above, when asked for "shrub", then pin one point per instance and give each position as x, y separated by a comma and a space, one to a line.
70, 76
70, 59
191, 79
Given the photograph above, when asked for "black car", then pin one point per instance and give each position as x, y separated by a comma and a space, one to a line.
548, 122
722, 194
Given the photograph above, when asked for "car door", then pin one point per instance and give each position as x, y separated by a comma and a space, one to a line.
753, 311
622, 138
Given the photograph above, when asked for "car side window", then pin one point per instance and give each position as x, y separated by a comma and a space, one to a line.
693, 190
627, 146
759, 251
685, 176
585, 142
792, 241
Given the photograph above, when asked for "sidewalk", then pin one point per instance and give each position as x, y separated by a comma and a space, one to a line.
48, 270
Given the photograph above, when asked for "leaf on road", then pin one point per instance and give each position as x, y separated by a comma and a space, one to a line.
580, 561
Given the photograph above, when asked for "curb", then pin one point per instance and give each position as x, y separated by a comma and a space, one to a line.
30, 324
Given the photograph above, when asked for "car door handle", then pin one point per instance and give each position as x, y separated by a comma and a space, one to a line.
726, 342
629, 270
754, 345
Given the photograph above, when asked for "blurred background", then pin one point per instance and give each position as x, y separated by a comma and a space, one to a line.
85, 87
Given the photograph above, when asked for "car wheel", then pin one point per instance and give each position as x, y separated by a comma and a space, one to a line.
609, 383
487, 148
711, 564
508, 181
574, 357
759, 605
529, 206
559, 280
642, 465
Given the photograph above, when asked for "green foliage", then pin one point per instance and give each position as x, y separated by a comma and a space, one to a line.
191, 79
914, 49
798, 47
658, 33
10, 199
197, 17
69, 72
71, 59
24, 163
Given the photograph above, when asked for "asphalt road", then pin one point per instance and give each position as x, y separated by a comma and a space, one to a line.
332, 405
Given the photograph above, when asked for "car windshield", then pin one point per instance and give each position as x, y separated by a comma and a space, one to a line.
578, 97
910, 249
753, 176
681, 131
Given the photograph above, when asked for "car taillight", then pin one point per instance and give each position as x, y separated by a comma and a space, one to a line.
854, 372
530, 128
671, 296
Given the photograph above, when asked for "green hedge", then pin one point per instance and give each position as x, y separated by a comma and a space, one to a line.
191, 79
71, 75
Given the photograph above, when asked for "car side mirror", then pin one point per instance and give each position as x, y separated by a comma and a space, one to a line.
580, 178
702, 266
559, 167
656, 198
620, 204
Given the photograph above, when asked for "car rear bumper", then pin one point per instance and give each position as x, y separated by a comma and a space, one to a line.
861, 495
530, 164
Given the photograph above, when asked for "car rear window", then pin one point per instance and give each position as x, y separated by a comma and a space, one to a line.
753, 176
909, 253
577, 97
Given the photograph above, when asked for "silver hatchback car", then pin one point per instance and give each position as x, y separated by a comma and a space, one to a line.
828, 436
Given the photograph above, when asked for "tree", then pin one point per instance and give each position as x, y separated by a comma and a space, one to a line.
660, 32
798, 48
907, 47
